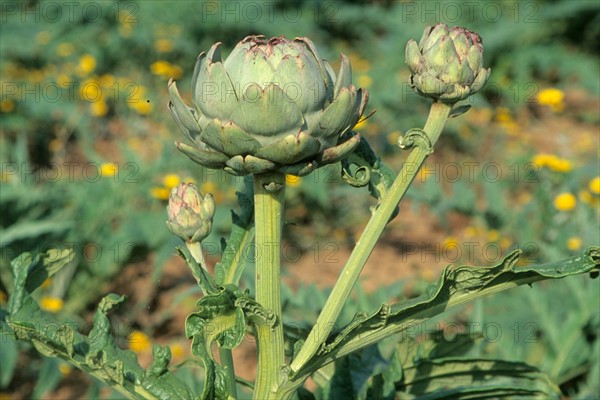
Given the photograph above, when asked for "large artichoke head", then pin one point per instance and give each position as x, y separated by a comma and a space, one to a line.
447, 64
272, 105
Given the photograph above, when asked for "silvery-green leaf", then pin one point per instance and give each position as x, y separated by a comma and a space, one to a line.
211, 159
344, 76
290, 149
266, 112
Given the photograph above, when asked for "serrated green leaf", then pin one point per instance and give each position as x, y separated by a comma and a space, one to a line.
97, 354
219, 318
461, 378
457, 286
434, 367
53, 261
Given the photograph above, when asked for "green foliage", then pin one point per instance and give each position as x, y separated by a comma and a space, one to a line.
530, 46
96, 353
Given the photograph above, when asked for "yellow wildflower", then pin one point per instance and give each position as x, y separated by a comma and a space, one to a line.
106, 80
479, 116
126, 23
428, 274
505, 119
52, 304
160, 193
493, 235
208, 187
5, 178
505, 243
160, 67
64, 49
36, 75
171, 180
292, 181
163, 45
139, 342
594, 185
425, 173
565, 201
364, 81
574, 243
524, 197
65, 369
470, 232
561, 165
589, 198
99, 108
55, 145
552, 162
125, 30
553, 98
142, 107
87, 63
7, 106
108, 169
339, 234
42, 37
450, 241
503, 115
165, 69
177, 350
63, 80
361, 65
393, 137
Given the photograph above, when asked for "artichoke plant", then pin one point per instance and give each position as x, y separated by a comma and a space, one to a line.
189, 214
272, 105
447, 64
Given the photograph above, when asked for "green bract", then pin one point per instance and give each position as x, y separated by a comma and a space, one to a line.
272, 105
447, 64
189, 214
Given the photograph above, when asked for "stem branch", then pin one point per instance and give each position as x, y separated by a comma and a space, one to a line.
438, 116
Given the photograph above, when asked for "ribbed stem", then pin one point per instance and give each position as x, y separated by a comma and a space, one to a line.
438, 116
227, 362
269, 195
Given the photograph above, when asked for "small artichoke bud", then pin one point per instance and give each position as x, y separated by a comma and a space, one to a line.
447, 64
189, 214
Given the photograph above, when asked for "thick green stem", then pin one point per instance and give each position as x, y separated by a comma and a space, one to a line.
269, 194
195, 249
227, 361
438, 116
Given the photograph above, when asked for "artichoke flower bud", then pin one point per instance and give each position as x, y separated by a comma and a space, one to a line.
189, 214
272, 105
447, 64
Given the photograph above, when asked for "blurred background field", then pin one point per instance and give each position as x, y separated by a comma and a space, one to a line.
87, 161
